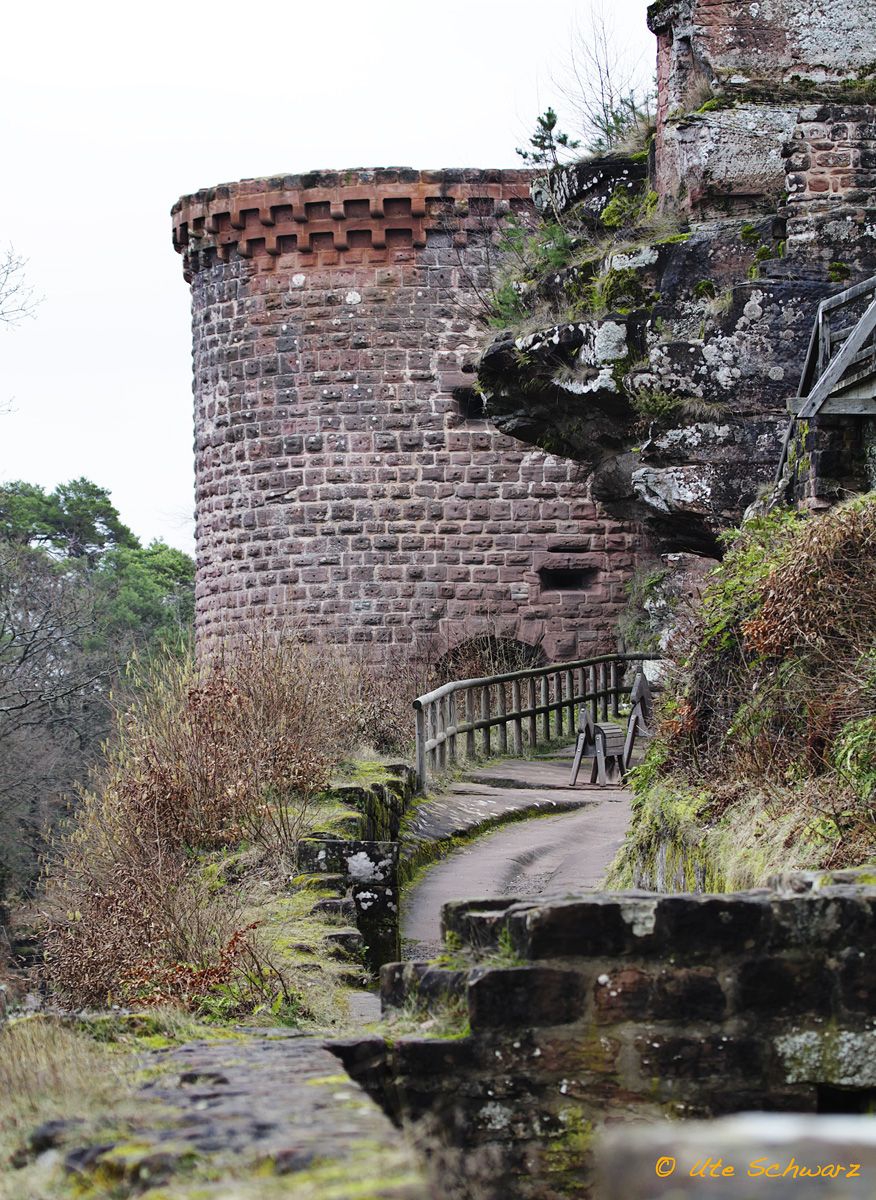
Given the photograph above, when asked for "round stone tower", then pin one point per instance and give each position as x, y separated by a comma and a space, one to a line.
346, 476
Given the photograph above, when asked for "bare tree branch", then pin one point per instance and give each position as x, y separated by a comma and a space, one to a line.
17, 300
609, 91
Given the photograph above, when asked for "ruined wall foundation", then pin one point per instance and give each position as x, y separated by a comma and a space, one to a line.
580, 1013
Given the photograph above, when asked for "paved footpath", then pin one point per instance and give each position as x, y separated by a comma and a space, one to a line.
505, 789
567, 852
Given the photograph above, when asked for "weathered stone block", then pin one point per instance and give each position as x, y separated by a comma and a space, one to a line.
586, 928
671, 1057
500, 997
857, 980
684, 994
702, 927
779, 986
377, 919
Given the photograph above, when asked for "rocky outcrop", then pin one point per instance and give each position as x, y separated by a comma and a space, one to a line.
674, 398
664, 354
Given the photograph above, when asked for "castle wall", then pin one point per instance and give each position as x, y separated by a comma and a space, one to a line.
752, 67
590, 1011
344, 476
774, 42
831, 186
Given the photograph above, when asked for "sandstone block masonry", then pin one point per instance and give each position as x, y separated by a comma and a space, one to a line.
346, 475
580, 1013
731, 79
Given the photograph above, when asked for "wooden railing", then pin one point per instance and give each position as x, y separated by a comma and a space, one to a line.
513, 713
842, 355
839, 372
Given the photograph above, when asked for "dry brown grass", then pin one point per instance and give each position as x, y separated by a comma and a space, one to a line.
821, 601
773, 692
207, 758
49, 1072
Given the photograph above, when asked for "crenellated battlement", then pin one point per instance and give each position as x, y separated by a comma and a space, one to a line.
364, 215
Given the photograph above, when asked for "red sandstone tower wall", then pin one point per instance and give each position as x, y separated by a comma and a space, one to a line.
344, 476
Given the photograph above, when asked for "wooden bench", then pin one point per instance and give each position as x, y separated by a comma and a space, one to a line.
607, 744
641, 717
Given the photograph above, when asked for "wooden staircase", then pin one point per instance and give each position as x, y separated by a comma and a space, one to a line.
839, 375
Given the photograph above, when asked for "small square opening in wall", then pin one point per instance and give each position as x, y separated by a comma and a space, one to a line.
470, 404
845, 1100
318, 210
357, 210
567, 579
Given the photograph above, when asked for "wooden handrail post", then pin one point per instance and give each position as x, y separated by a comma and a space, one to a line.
469, 720
485, 716
570, 700
615, 694
503, 728
517, 719
441, 720
422, 773
533, 719
546, 715
451, 721
603, 689
431, 726
591, 687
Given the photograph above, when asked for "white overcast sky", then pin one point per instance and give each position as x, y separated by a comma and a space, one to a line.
112, 110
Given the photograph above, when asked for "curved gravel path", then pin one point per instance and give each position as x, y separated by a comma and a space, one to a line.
569, 852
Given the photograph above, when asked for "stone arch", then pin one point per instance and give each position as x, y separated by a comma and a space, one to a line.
489, 653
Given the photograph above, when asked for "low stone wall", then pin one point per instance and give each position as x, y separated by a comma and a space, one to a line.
367, 877
363, 869
626, 1006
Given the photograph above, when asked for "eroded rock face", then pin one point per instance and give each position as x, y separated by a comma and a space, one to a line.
676, 400
679, 346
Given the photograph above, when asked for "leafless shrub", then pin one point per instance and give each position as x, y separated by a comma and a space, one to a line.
205, 757
608, 90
